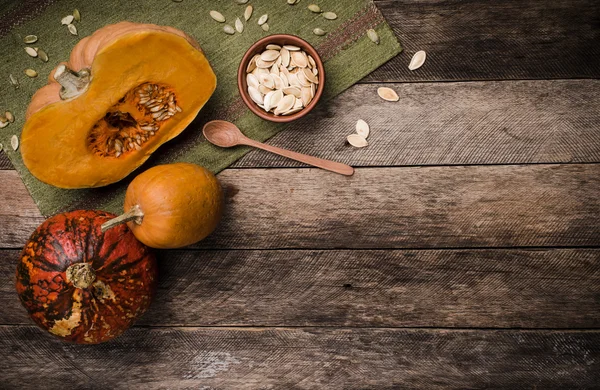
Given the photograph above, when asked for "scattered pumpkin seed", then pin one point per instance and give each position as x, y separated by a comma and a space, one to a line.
31, 73
76, 15
263, 19
388, 94
9, 116
319, 31
329, 15
42, 55
30, 39
362, 128
417, 60
228, 29
217, 16
14, 142
241, 1
373, 36
67, 20
265, 27
314, 8
13, 81
248, 12
291, 2
31, 51
239, 26
72, 29
357, 141
1, 147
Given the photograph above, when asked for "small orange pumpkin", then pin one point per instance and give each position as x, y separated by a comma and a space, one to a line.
172, 205
127, 89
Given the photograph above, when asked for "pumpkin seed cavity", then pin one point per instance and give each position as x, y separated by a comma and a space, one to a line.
134, 120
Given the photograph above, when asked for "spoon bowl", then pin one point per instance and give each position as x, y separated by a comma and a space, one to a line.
222, 133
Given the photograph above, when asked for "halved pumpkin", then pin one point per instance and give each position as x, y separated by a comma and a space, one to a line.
127, 89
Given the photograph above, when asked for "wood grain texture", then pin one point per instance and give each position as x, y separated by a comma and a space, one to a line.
304, 358
5, 162
427, 207
451, 123
504, 39
395, 288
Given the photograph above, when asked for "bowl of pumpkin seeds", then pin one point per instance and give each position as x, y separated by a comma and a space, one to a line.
281, 78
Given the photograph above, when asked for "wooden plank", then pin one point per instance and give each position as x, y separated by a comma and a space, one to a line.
305, 358
393, 288
5, 162
504, 39
427, 207
452, 123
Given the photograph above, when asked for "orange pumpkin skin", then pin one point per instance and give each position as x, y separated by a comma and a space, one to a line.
182, 204
71, 143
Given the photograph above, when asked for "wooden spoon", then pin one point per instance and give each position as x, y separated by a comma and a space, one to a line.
226, 134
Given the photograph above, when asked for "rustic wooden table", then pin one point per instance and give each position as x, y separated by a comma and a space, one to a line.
464, 253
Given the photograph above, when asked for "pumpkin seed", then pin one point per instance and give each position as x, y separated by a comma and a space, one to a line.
72, 29
319, 31
291, 47
263, 19
30, 39
1, 147
273, 47
31, 51
305, 96
9, 116
14, 142
314, 8
417, 60
373, 36
255, 95
290, 2
67, 20
42, 55
285, 104
293, 111
14, 81
228, 29
362, 128
329, 15
388, 94
3, 124
357, 141
252, 80
310, 76
292, 91
248, 13
299, 59
265, 27
285, 57
31, 73
241, 1
76, 15
239, 26
217, 16
269, 55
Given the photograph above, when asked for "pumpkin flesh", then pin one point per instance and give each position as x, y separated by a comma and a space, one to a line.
71, 143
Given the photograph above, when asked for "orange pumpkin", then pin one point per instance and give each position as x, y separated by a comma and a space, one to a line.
172, 206
127, 89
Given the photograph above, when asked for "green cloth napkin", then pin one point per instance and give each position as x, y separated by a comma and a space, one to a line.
348, 53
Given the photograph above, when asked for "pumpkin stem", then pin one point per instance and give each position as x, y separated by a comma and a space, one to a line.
135, 214
73, 83
82, 275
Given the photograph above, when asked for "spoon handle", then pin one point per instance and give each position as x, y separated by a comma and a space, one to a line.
332, 166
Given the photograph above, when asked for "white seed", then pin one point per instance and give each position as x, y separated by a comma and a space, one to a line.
417, 60
252, 80
310, 76
373, 36
263, 19
302, 79
267, 101
292, 91
293, 111
30, 39
255, 95
72, 29
31, 51
274, 69
217, 16
285, 104
248, 12
265, 27
228, 29
357, 141
291, 47
306, 96
76, 15
13, 81
264, 64
299, 59
313, 90
118, 145
156, 108
319, 31
329, 15
241, 1
291, 2
362, 128
178, 108
31, 73
314, 8
264, 89
67, 20
9, 116
3, 124
239, 26
273, 47
14, 142
117, 154
298, 103
42, 55
276, 98
269, 55
388, 94
311, 62
278, 82
285, 57
252, 64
